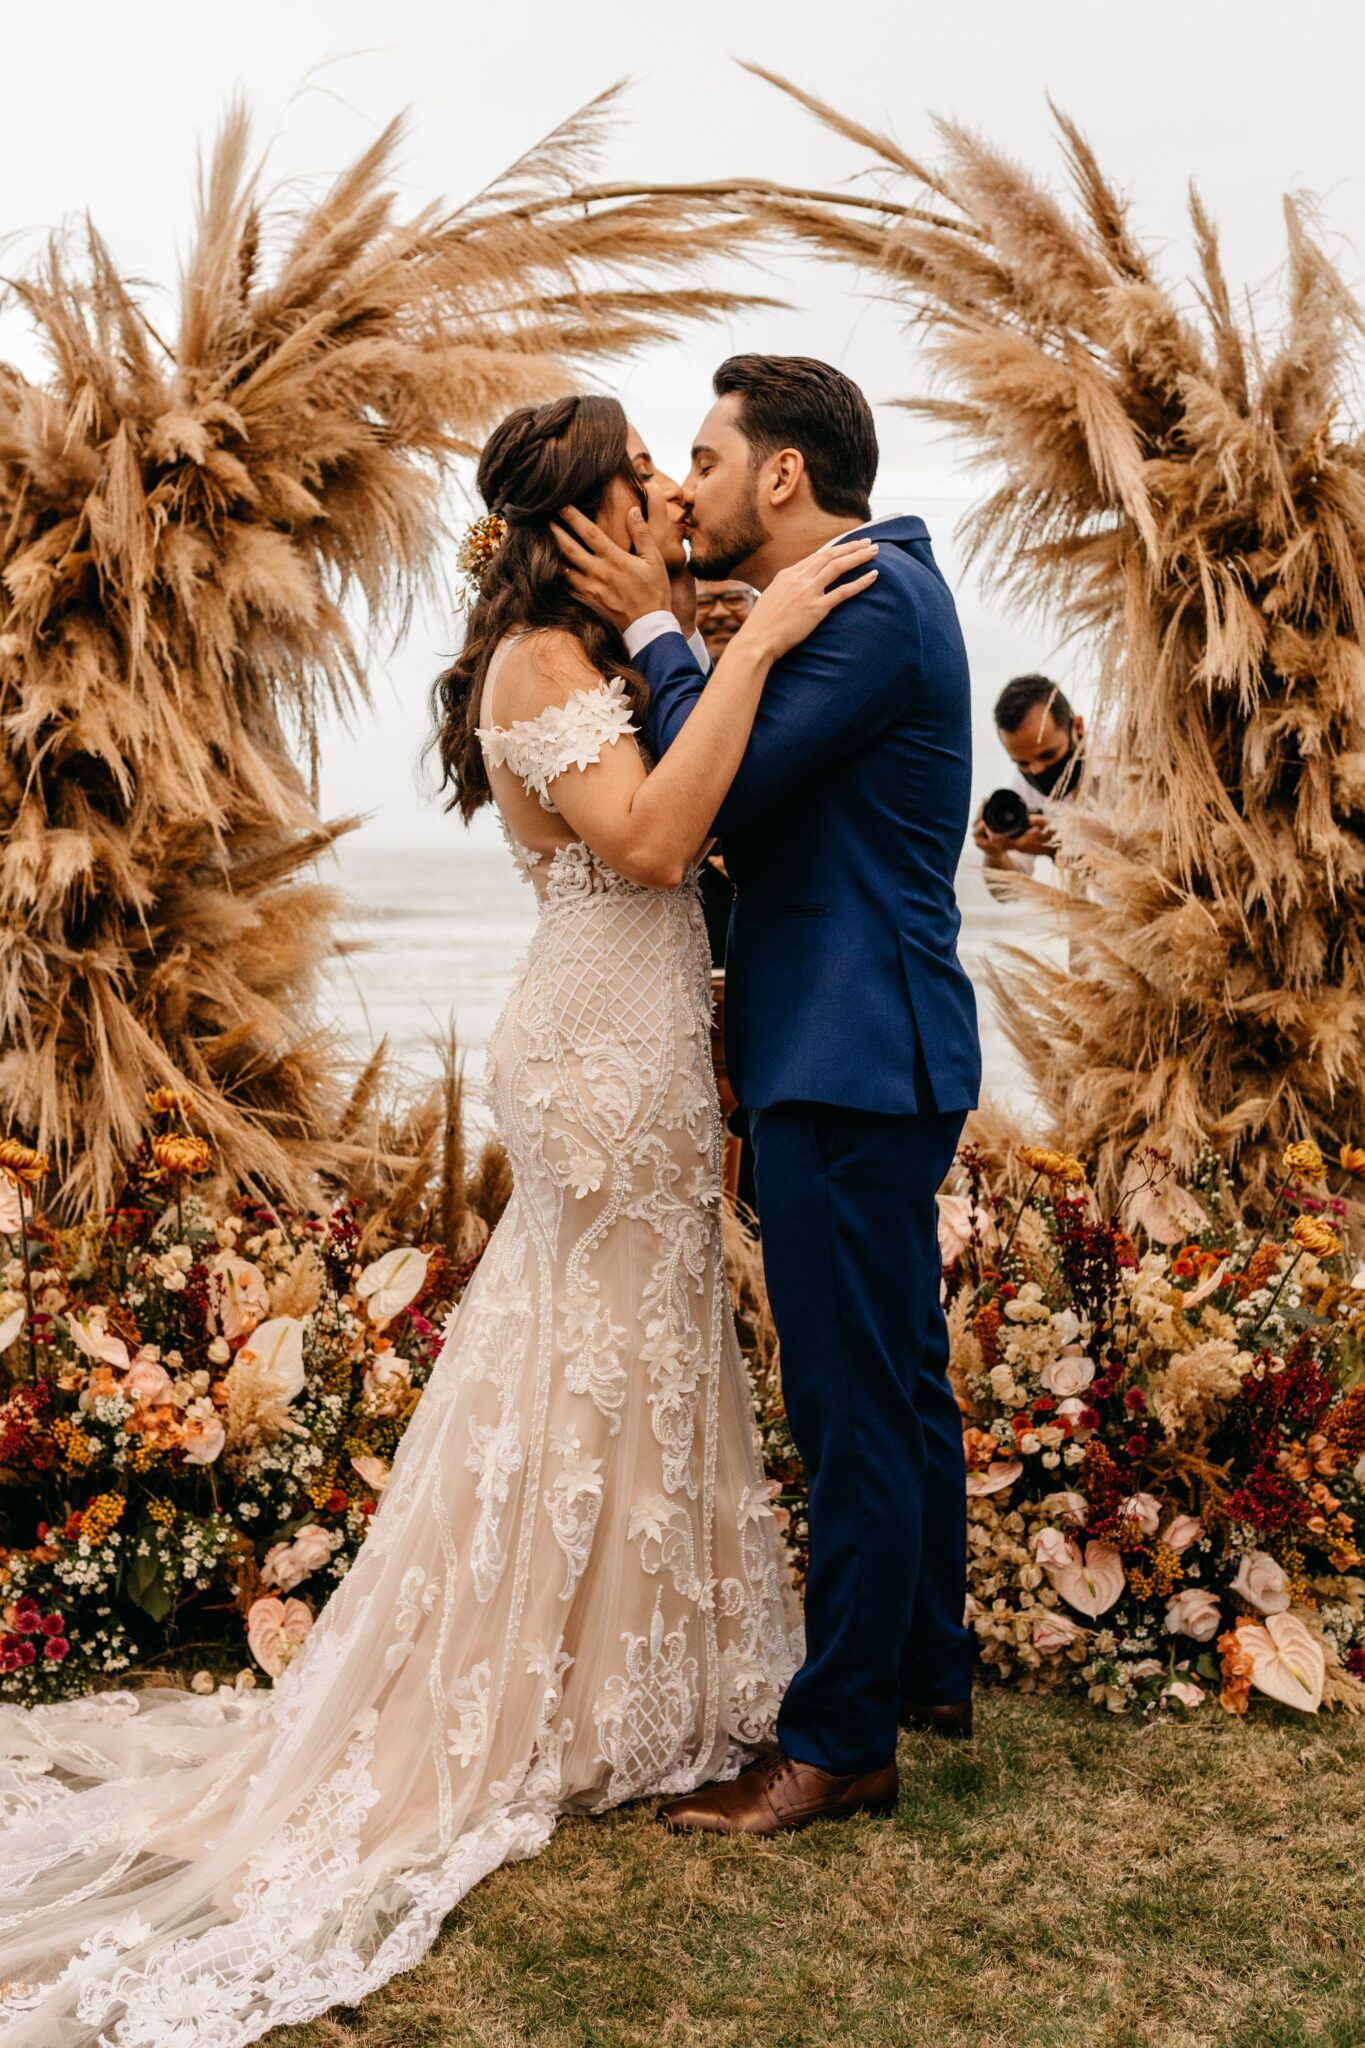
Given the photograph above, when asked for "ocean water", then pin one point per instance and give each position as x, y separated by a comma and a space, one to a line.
437, 931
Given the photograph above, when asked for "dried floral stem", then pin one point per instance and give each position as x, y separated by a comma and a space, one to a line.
28, 1282
1269, 1308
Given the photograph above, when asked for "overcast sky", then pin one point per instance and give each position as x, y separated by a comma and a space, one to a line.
107, 105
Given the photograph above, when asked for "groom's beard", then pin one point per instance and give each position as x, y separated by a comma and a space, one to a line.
723, 549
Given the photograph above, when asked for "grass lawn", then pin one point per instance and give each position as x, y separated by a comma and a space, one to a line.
1062, 1881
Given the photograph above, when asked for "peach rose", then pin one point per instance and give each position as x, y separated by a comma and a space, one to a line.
147, 1381
1181, 1531
1070, 1374
1262, 1583
204, 1439
1193, 1612
1184, 1693
386, 1382
1051, 1548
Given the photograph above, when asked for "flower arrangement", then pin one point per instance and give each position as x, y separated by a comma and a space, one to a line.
200, 1406
1164, 1422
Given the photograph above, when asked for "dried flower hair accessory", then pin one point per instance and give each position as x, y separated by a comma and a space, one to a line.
482, 539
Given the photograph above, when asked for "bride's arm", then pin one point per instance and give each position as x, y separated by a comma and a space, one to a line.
648, 826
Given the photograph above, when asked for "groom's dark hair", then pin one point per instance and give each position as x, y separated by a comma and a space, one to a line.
797, 402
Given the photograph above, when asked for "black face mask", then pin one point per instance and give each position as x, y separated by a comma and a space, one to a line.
1045, 781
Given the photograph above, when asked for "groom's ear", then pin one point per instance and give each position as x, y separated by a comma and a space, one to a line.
787, 472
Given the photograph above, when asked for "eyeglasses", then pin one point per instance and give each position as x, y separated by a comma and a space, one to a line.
729, 601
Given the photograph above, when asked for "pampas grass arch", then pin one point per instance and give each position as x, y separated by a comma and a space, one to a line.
1188, 495
189, 529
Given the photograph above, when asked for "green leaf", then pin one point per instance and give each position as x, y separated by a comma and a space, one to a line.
146, 1586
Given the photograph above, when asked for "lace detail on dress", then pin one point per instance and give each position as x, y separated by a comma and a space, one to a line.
572, 1592
562, 736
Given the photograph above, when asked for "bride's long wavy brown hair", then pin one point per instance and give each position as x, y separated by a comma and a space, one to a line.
538, 460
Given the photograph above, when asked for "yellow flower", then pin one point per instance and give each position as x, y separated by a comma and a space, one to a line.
169, 1102
1352, 1160
162, 1511
1306, 1160
1312, 1235
182, 1154
22, 1163
100, 1516
1058, 1166
77, 1449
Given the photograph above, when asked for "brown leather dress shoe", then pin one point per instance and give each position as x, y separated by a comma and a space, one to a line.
953, 1718
778, 1795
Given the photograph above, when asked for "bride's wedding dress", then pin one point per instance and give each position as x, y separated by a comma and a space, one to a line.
572, 1591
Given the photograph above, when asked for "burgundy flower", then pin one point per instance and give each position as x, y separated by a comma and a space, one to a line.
1135, 1446
1355, 1662
1101, 1388
1089, 1418
52, 1624
55, 1648
26, 1621
9, 1658
25, 1653
1135, 1400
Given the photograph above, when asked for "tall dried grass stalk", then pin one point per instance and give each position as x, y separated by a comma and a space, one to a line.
199, 539
1189, 496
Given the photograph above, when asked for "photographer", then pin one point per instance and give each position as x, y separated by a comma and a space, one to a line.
1045, 739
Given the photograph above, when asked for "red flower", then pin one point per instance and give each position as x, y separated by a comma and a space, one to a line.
367, 1507
336, 1502
26, 1618
1089, 1418
55, 1648
1135, 1400
52, 1624
1135, 1446
1044, 1405
25, 1653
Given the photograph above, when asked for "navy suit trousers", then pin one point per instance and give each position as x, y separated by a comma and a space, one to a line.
850, 1249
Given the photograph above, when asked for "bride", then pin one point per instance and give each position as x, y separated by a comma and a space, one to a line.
572, 1592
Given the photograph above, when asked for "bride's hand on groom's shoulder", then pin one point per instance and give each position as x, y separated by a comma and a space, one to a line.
800, 597
618, 585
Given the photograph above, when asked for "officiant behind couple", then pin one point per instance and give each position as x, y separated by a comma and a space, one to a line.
573, 1592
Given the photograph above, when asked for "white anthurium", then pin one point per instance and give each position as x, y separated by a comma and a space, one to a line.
387, 1285
274, 1352
1000, 1473
94, 1340
11, 1326
1288, 1663
1092, 1585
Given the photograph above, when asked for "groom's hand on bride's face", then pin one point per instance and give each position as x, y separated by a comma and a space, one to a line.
618, 585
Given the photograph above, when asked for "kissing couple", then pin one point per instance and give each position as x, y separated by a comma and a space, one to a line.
574, 1591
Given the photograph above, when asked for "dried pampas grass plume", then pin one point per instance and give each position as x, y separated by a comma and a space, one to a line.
1188, 495
199, 539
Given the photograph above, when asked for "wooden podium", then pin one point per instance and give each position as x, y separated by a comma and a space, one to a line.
729, 1173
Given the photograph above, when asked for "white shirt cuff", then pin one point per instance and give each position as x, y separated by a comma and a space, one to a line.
699, 653
640, 632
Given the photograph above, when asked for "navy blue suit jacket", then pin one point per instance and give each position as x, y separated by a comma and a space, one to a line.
842, 832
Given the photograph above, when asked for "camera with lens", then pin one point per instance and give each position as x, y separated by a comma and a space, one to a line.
1005, 814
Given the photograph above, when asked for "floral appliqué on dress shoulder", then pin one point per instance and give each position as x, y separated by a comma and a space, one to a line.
562, 736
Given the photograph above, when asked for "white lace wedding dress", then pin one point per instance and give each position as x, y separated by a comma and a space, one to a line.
571, 1594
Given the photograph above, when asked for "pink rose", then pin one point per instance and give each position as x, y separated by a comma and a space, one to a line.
286, 1565
1184, 1693
1194, 1612
1181, 1531
1054, 1632
1051, 1548
1144, 1509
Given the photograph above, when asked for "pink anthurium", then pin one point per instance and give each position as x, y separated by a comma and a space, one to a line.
1093, 1585
1288, 1663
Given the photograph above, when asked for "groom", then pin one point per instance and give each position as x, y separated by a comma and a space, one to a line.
851, 1039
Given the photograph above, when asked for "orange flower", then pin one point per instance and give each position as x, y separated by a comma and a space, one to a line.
1313, 1235
1236, 1694
1352, 1160
180, 1154
23, 1165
